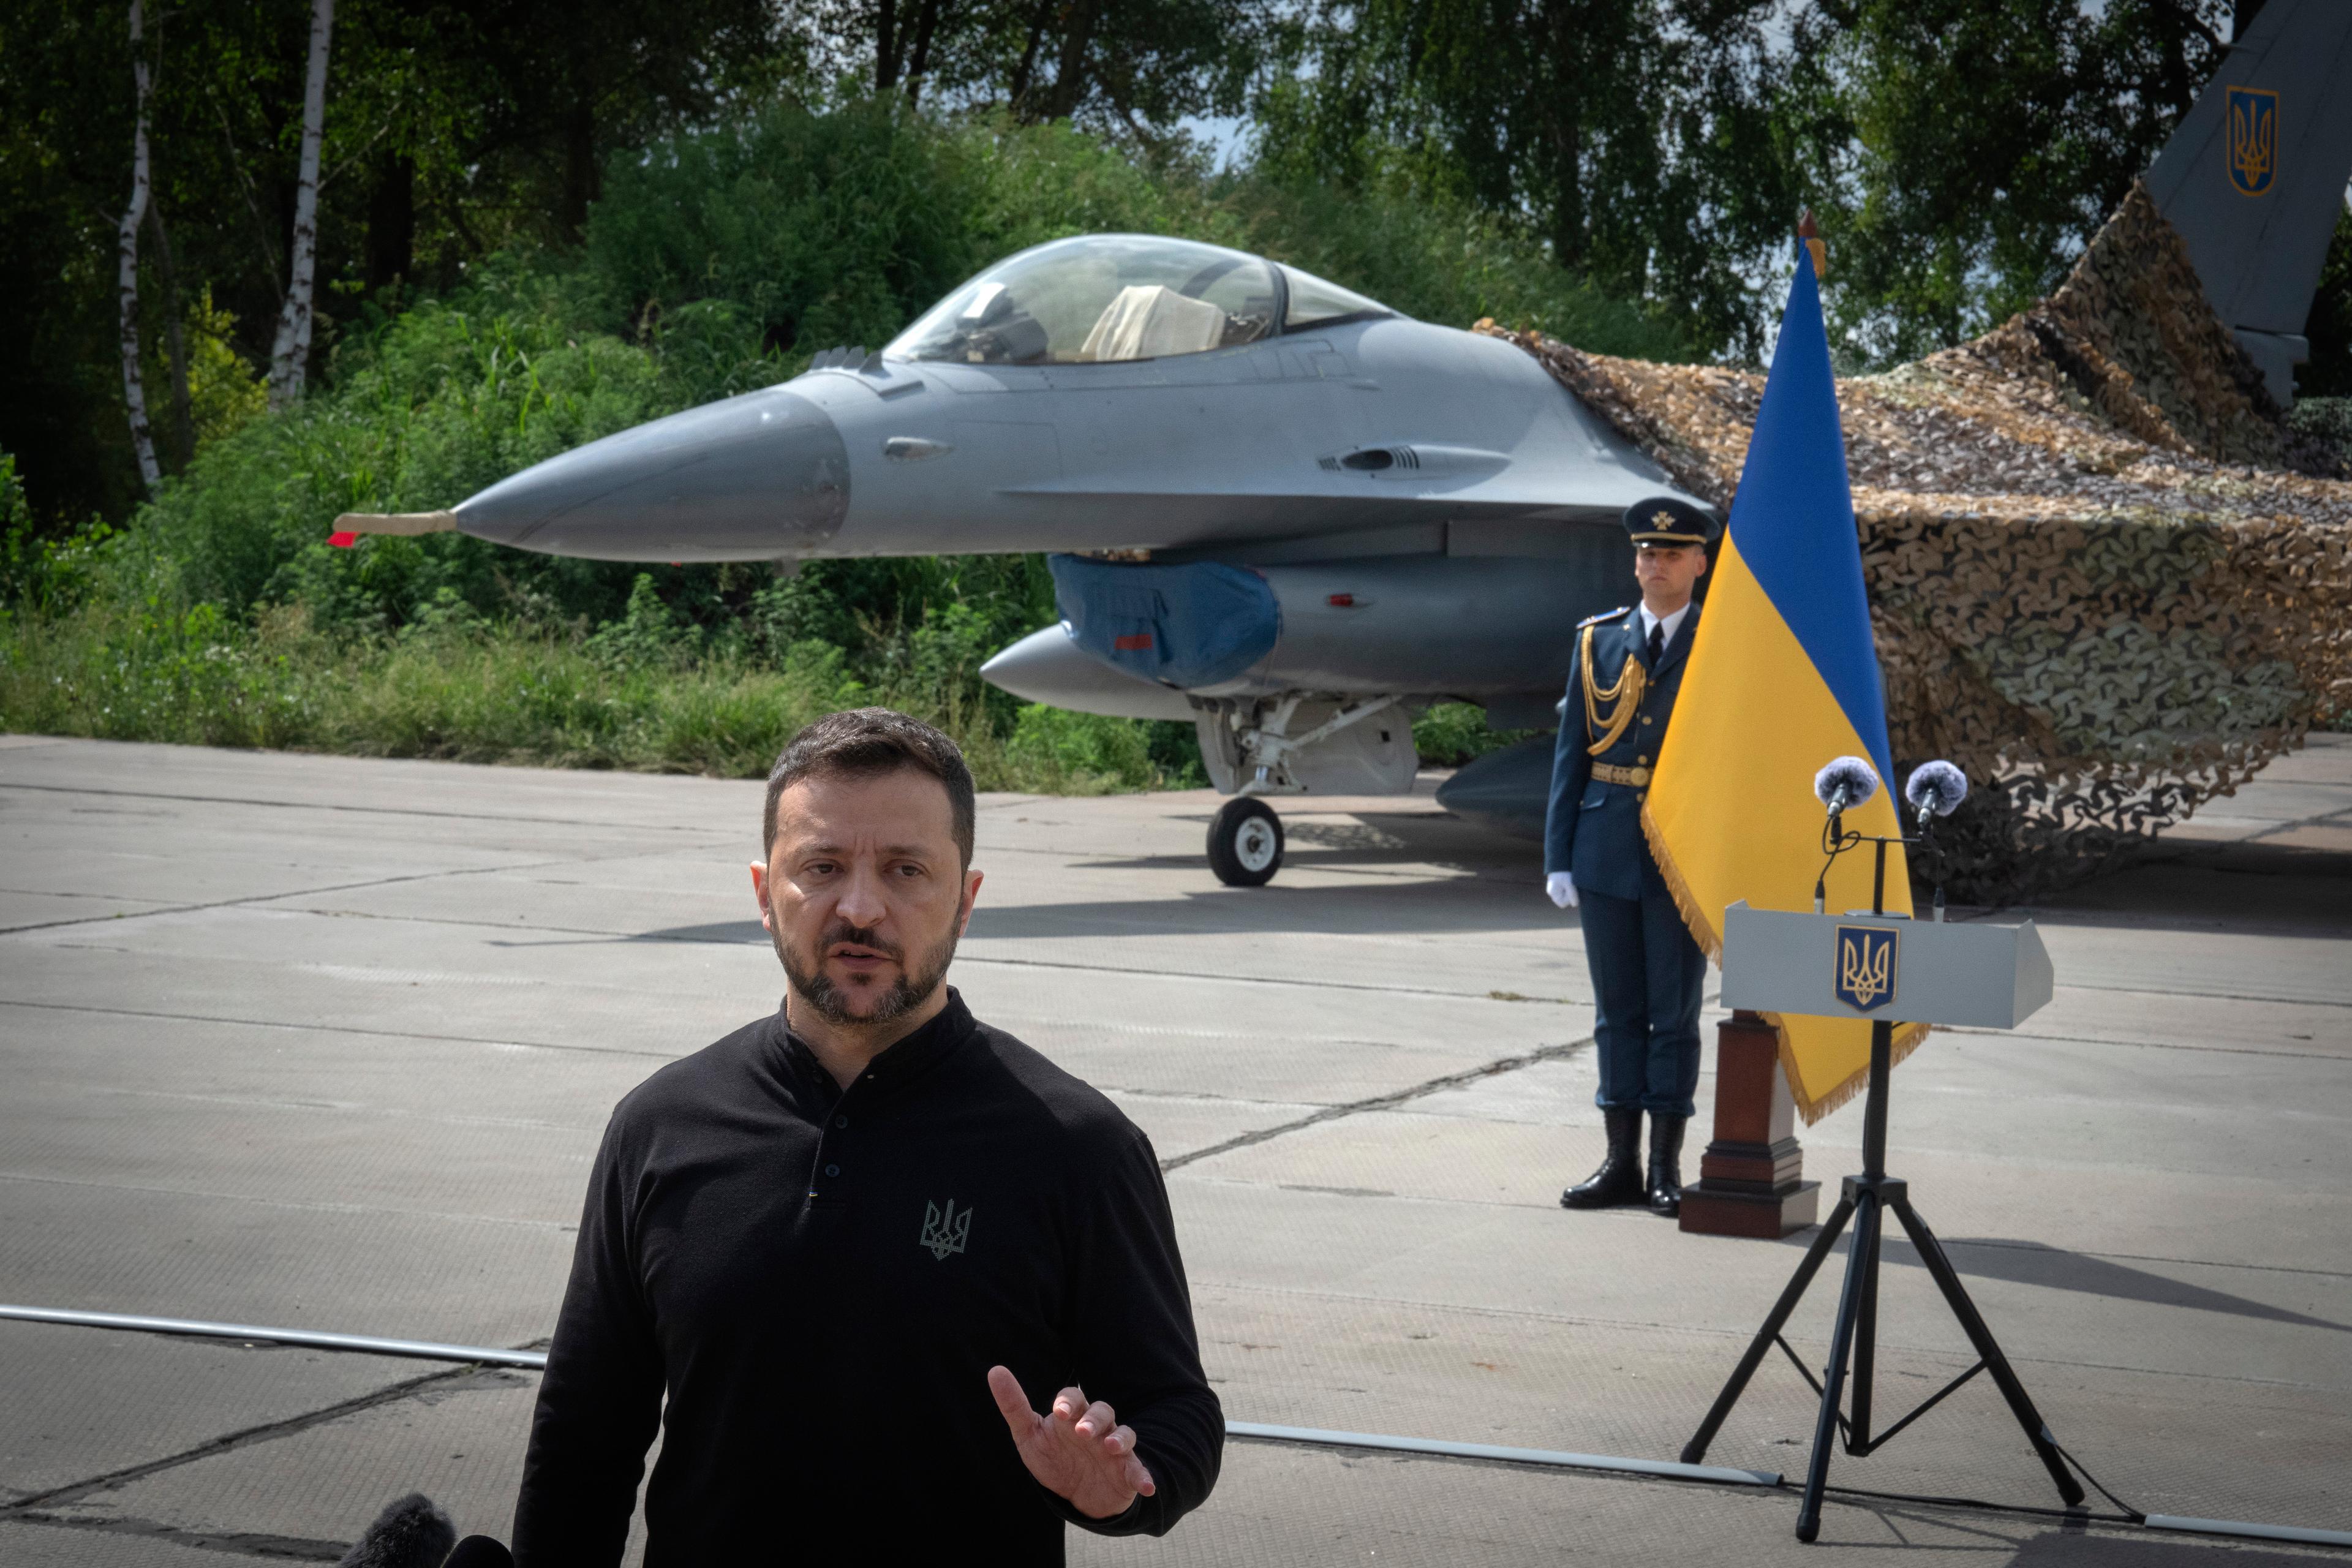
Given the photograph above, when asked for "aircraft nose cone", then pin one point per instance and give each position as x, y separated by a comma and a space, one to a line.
758, 475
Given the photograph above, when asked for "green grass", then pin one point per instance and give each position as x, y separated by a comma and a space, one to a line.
493, 693
465, 689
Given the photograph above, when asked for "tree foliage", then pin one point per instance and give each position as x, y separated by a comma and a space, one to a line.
451, 130
1634, 137
1623, 171
1960, 152
1129, 69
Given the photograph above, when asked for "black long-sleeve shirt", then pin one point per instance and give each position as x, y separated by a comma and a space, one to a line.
818, 1280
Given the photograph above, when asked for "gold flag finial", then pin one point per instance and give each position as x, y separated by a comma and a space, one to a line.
1811, 235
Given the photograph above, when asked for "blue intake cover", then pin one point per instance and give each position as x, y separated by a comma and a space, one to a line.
1189, 626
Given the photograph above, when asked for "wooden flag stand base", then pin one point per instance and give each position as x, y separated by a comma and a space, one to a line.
1750, 1176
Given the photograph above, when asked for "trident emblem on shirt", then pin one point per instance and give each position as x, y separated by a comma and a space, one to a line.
1865, 966
945, 1232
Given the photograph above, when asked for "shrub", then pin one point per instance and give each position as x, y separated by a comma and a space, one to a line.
1448, 734
1080, 753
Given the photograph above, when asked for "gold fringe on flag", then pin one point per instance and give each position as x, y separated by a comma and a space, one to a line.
1708, 935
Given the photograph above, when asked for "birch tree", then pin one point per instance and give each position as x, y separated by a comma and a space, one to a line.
291, 357
134, 391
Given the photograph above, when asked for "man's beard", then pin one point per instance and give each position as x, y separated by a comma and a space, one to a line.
909, 991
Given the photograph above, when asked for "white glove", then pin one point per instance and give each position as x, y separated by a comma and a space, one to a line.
1561, 886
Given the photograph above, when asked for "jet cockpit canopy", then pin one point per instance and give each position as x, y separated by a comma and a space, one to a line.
1105, 298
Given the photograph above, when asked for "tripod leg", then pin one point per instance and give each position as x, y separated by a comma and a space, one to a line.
1695, 1451
1947, 1279
1867, 1234
1826, 1429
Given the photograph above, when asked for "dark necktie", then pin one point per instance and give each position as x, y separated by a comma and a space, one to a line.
1657, 642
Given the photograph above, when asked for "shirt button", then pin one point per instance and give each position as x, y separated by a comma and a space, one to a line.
833, 1170
841, 1122
1645, 718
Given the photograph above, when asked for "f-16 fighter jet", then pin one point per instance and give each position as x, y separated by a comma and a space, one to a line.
1294, 517
1327, 515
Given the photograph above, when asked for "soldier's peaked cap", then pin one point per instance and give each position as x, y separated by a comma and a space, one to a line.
1663, 519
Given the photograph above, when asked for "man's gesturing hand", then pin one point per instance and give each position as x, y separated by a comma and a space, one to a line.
1079, 1452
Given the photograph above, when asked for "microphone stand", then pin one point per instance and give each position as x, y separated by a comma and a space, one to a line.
1926, 840
1836, 841
1866, 1200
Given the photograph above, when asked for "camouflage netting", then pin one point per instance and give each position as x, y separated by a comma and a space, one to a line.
2107, 578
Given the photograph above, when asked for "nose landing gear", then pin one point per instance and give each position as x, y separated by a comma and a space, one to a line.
1247, 746
1245, 843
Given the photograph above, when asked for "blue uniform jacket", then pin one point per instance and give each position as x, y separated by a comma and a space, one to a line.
1592, 829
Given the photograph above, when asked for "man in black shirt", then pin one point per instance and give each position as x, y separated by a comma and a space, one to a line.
846, 1241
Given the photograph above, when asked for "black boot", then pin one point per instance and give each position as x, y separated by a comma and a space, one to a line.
1619, 1179
1667, 1165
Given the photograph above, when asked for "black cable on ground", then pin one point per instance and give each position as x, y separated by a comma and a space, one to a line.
2138, 1515
1977, 1503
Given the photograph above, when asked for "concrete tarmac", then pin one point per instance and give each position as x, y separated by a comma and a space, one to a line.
327, 1043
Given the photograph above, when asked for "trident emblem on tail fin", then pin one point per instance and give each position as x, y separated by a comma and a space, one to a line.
2252, 117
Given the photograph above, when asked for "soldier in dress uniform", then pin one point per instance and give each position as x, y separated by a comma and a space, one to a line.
1646, 970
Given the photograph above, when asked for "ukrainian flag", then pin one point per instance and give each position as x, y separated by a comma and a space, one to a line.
1783, 677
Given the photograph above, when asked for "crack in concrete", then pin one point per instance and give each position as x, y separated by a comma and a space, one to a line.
1228, 978
291, 893
964, 956
356, 1108
1382, 1102
241, 1543
245, 1437
2206, 996
363, 810
36, 1178
332, 1030
2028, 1037
54, 893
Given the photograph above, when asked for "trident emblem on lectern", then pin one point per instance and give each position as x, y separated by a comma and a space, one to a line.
1865, 966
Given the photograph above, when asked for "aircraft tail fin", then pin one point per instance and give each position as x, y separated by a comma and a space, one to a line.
2254, 176
2134, 331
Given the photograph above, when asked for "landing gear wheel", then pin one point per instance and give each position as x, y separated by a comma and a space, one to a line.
1245, 843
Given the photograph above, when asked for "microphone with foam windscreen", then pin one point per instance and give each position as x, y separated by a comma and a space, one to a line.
1936, 789
1845, 784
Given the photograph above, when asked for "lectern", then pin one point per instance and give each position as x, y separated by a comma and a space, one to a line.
1883, 968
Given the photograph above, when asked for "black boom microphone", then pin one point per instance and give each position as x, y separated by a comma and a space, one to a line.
1936, 789
1845, 784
